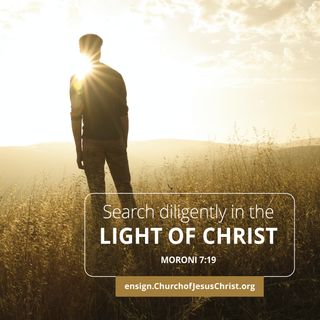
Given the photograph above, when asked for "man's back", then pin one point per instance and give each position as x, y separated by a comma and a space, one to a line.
103, 96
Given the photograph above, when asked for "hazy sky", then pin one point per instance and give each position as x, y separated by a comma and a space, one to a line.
194, 69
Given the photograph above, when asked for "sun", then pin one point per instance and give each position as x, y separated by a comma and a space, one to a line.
83, 66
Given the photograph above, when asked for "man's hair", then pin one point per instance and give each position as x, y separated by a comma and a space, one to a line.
90, 43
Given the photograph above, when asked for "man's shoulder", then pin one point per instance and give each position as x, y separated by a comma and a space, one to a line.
74, 83
110, 71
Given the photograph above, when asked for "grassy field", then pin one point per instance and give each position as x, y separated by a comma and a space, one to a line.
41, 241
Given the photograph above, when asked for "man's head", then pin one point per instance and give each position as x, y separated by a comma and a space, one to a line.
90, 45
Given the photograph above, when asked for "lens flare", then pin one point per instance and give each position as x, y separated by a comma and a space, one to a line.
83, 67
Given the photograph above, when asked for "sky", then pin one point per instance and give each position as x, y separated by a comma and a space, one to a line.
195, 69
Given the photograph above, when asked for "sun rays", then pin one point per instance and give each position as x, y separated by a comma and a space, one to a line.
83, 67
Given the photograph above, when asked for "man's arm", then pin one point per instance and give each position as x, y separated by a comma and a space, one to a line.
76, 118
76, 130
124, 119
125, 128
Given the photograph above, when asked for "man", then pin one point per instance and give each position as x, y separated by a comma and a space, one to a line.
99, 116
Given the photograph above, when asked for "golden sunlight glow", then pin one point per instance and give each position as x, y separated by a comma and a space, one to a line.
83, 67
198, 77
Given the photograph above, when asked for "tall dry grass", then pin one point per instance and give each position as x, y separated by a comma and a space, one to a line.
41, 242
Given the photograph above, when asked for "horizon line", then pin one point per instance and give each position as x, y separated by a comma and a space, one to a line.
310, 139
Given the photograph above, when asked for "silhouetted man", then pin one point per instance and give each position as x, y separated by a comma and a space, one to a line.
99, 115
